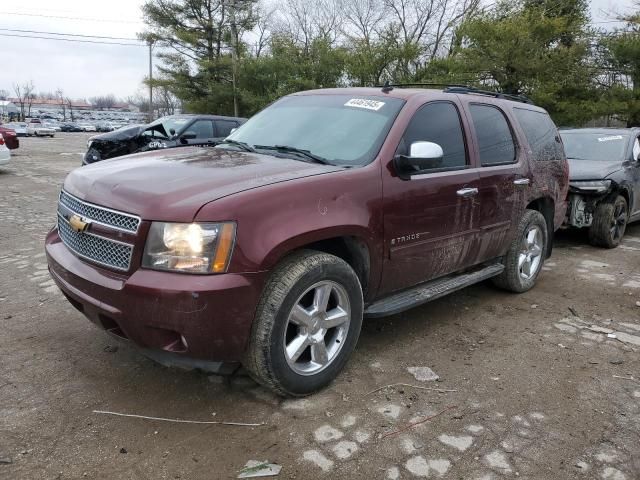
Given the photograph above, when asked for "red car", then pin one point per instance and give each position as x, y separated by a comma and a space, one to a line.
10, 138
325, 208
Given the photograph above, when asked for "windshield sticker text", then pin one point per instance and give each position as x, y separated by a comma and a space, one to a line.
611, 138
364, 103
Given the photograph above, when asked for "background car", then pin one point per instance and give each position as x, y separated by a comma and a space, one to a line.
87, 127
52, 125
70, 127
5, 153
19, 127
167, 132
37, 129
10, 137
604, 194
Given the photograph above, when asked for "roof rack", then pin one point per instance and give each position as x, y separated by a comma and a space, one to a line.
461, 89
476, 91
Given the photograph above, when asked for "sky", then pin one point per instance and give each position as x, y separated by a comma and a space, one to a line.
84, 70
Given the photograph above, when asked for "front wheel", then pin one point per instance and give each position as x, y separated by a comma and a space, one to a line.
307, 324
526, 254
609, 223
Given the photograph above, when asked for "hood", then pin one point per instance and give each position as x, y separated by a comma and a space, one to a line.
173, 184
120, 135
592, 170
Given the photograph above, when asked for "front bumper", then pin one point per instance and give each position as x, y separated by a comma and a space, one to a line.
193, 316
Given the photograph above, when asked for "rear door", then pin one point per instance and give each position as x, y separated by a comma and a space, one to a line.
224, 128
428, 219
503, 180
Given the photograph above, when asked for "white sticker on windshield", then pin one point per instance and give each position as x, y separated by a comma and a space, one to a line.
611, 138
364, 103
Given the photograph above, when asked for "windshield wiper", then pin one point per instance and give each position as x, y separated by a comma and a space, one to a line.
299, 151
244, 146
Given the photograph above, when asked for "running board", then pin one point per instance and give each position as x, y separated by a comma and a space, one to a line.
426, 292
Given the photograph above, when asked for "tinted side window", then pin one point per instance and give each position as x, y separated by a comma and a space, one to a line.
541, 134
224, 127
202, 129
439, 123
495, 140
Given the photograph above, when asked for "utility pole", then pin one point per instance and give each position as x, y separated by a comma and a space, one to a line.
150, 80
234, 57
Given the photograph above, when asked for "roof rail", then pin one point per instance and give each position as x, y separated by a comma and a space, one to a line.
476, 91
457, 88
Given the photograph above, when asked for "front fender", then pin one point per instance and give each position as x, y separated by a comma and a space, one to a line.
277, 219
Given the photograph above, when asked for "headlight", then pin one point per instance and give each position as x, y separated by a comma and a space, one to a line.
189, 247
595, 186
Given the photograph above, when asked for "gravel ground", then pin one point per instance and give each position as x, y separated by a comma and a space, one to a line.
531, 386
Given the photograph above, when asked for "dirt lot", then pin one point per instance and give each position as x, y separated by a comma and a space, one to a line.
532, 386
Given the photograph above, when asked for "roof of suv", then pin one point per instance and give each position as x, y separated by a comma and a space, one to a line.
405, 93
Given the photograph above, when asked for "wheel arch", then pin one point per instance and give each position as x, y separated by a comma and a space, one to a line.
349, 246
546, 206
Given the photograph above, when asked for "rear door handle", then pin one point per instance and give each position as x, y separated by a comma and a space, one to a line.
522, 181
467, 192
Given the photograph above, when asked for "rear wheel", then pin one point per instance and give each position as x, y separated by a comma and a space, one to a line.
609, 223
307, 324
526, 255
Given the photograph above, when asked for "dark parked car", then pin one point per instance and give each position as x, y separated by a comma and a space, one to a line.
70, 127
327, 207
604, 194
166, 132
10, 137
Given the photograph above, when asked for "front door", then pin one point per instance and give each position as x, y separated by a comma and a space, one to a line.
428, 220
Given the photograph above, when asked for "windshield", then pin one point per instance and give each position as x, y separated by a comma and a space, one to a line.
601, 147
163, 127
342, 129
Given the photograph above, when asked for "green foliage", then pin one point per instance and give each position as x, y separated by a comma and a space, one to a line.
544, 49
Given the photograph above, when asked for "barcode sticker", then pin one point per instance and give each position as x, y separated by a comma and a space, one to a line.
364, 103
611, 138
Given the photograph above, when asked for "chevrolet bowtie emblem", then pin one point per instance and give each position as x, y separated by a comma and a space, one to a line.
78, 224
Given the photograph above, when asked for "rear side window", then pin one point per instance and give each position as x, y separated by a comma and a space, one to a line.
541, 134
224, 127
438, 122
495, 140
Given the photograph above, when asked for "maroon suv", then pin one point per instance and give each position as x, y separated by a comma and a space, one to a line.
326, 207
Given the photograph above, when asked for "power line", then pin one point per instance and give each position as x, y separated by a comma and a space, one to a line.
71, 40
71, 18
68, 34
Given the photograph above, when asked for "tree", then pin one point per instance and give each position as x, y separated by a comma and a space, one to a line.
25, 98
538, 48
622, 59
202, 40
104, 102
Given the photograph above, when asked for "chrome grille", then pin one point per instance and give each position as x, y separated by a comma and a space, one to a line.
105, 216
101, 250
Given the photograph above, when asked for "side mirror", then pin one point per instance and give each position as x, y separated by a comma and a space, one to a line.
188, 136
422, 156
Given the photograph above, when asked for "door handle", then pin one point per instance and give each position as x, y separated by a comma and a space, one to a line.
522, 181
467, 192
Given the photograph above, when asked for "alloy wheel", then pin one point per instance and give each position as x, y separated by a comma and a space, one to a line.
530, 257
317, 327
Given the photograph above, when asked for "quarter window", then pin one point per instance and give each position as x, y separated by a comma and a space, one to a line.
438, 122
636, 149
495, 140
541, 134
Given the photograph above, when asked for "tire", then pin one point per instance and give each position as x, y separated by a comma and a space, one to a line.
609, 222
297, 282
524, 259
